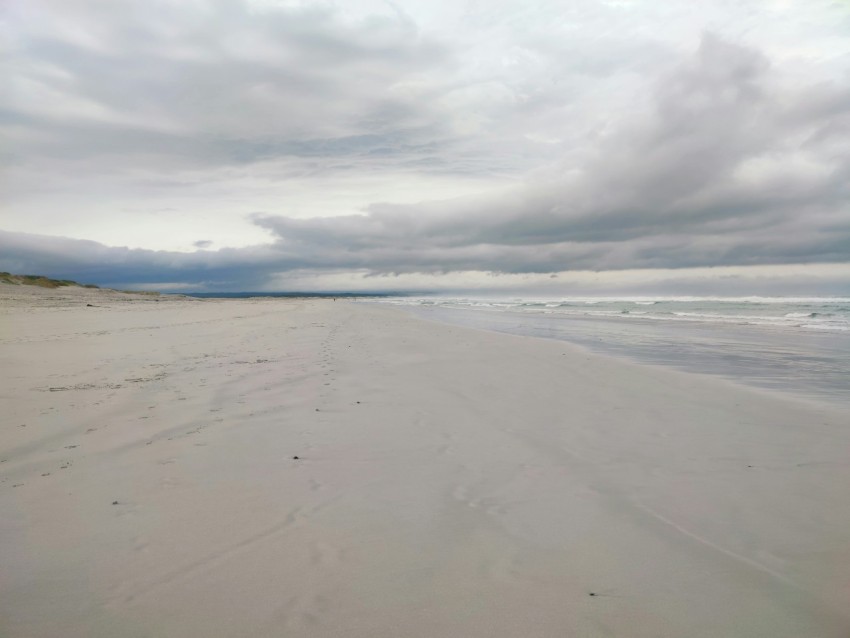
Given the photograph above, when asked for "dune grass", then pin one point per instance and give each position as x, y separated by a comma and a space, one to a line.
39, 280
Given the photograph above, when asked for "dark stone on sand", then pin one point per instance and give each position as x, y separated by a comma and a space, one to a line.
115, 502
592, 594
295, 458
88, 305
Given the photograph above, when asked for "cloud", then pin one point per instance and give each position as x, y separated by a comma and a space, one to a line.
215, 83
729, 167
513, 144
89, 261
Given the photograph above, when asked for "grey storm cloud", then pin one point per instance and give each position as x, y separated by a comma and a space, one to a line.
223, 86
726, 168
717, 160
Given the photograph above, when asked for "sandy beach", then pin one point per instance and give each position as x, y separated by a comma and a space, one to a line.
177, 467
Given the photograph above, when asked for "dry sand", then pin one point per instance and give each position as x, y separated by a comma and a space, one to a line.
450, 482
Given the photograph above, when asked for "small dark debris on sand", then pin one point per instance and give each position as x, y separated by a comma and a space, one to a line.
89, 305
115, 502
296, 458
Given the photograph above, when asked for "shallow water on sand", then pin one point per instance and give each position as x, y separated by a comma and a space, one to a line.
810, 363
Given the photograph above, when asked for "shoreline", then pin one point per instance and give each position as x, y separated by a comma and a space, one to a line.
449, 481
787, 381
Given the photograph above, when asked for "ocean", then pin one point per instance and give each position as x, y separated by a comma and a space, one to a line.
797, 345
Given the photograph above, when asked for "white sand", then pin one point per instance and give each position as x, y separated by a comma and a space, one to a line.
452, 482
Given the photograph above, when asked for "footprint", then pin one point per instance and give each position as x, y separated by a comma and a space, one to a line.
322, 554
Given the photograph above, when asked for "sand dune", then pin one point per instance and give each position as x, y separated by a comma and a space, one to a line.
448, 482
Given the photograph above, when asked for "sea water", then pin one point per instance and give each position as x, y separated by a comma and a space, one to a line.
797, 345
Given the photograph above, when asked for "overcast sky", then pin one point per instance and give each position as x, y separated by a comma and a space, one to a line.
566, 146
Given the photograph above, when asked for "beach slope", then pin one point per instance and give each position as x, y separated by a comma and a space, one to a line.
264, 467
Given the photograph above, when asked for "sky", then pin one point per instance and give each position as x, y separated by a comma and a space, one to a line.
577, 146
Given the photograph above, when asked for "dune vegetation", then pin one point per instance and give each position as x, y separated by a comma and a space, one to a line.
39, 280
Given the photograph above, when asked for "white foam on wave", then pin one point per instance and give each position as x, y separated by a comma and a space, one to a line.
826, 326
800, 313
